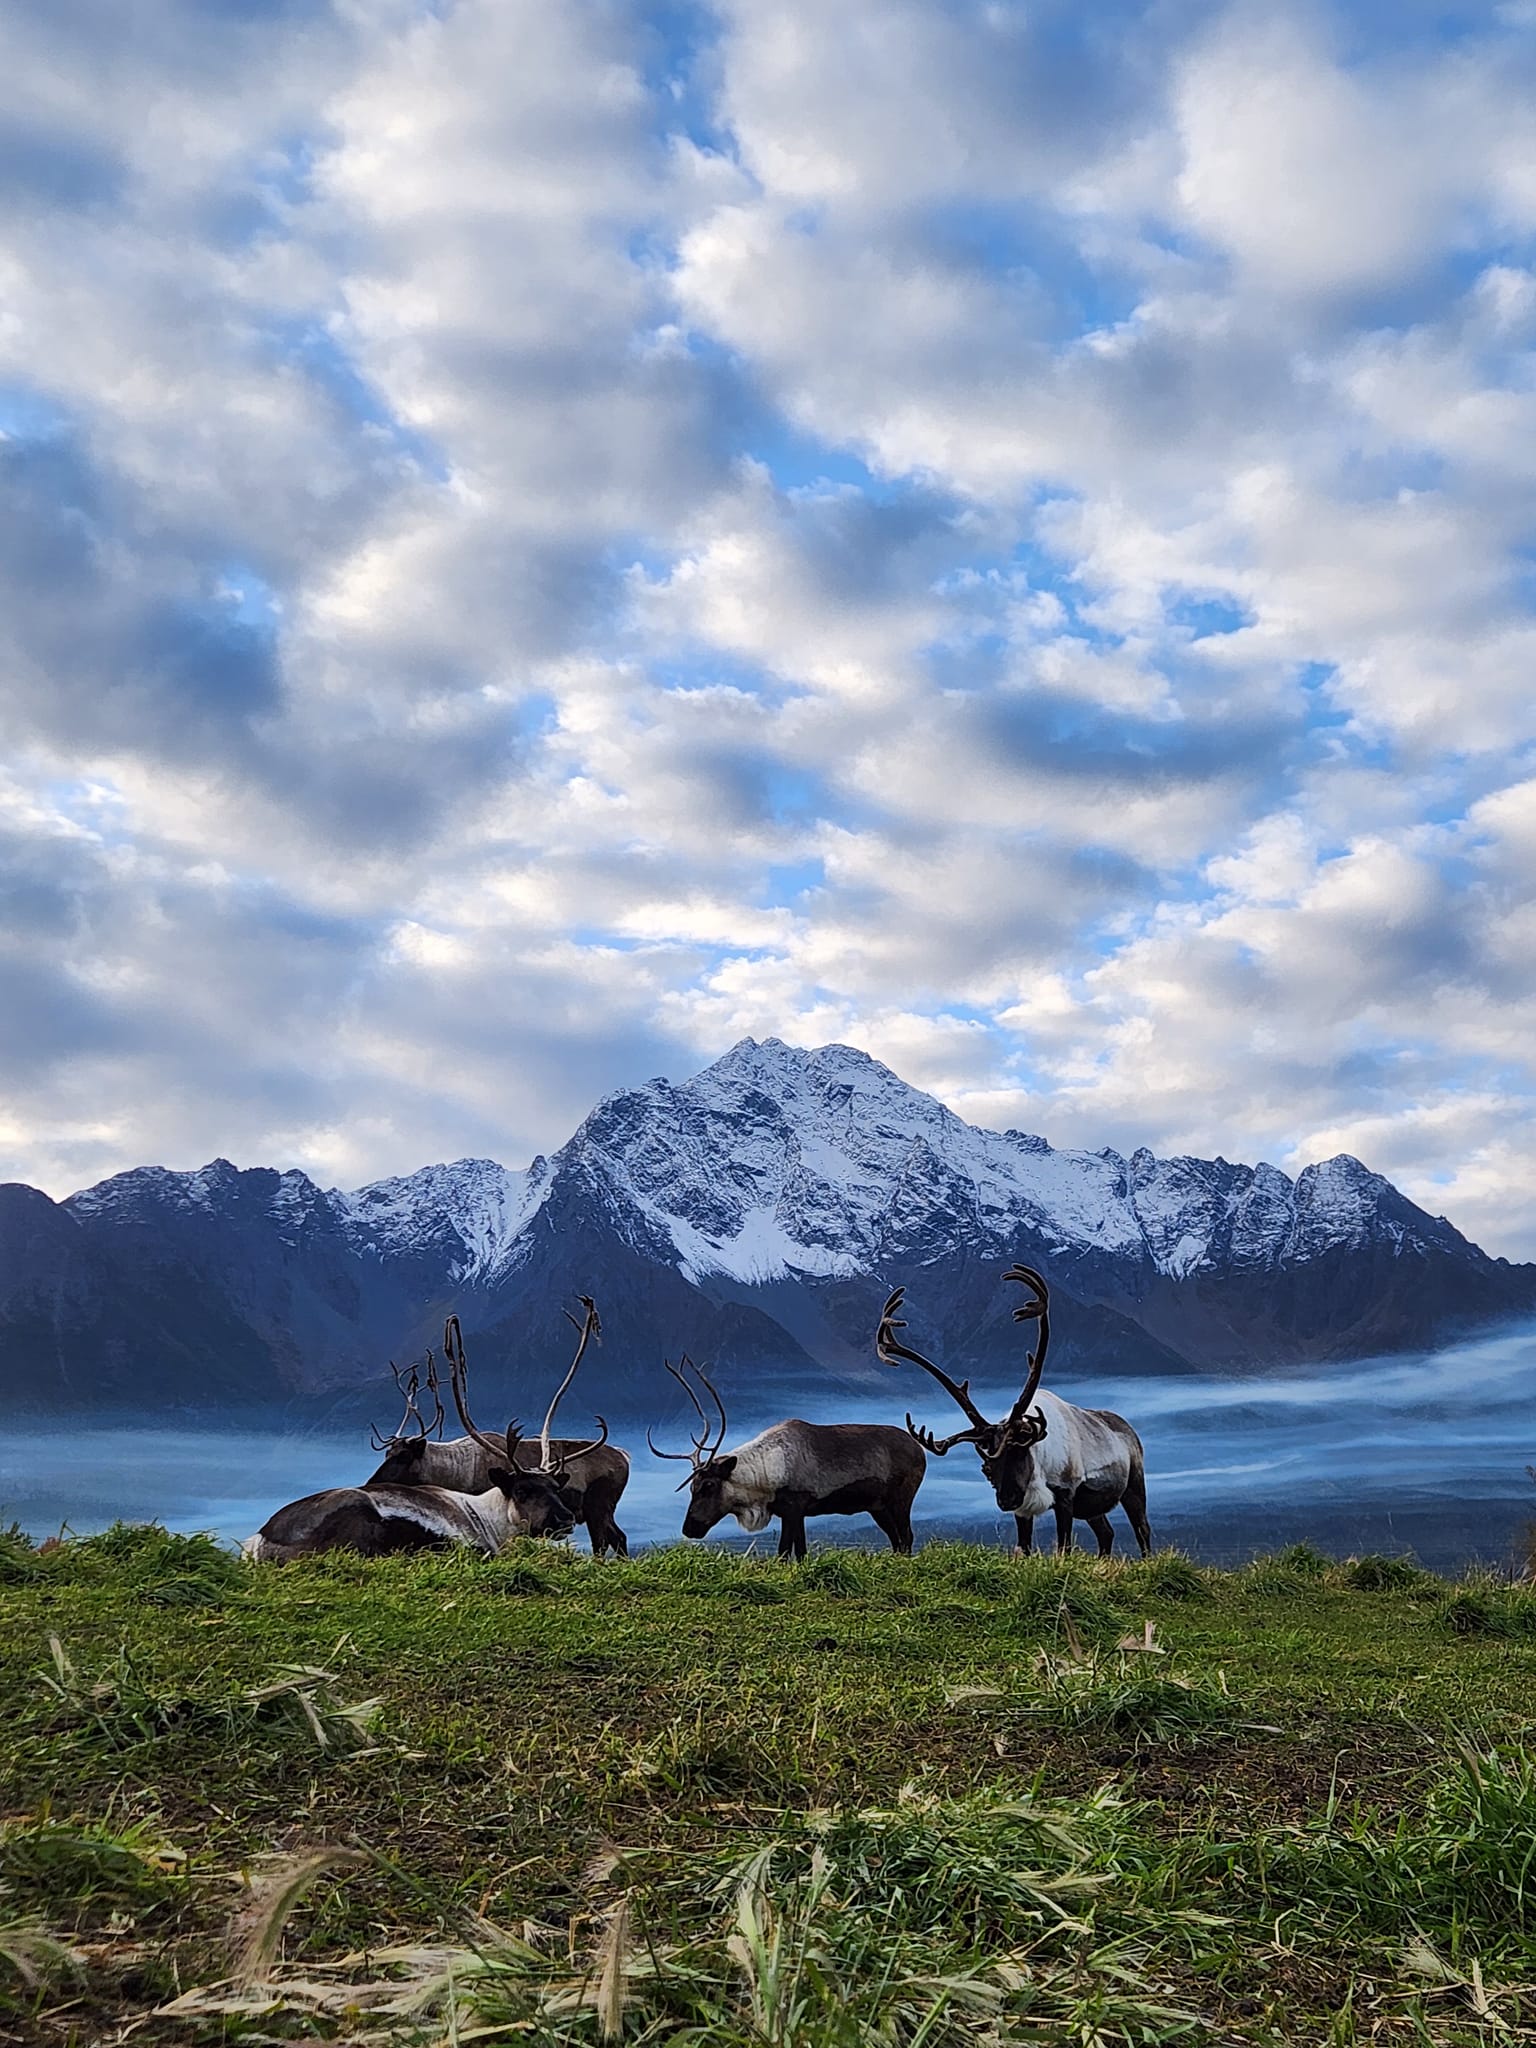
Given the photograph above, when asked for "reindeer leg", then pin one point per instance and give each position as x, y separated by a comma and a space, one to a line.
1102, 1528
895, 1526
600, 1500
1025, 1542
1063, 1527
1134, 1501
791, 1534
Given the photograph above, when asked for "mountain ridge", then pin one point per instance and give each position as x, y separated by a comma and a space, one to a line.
755, 1212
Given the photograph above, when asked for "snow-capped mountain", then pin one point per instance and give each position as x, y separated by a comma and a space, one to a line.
756, 1213
776, 1164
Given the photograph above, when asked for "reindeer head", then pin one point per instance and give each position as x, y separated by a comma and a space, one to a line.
1006, 1448
540, 1503
709, 1473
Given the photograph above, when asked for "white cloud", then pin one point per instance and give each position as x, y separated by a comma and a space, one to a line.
1304, 174
996, 533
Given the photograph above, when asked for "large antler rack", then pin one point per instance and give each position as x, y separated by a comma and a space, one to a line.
1036, 1309
891, 1351
587, 1326
453, 1351
707, 1444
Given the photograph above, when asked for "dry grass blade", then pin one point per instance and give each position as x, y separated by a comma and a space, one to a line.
1421, 1959
426, 1975
274, 1898
613, 1973
600, 1866
304, 1690
35, 1954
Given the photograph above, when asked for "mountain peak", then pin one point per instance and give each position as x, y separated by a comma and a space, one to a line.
750, 1057
782, 1162
773, 1056
1344, 1166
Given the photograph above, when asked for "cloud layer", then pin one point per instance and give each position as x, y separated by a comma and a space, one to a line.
534, 542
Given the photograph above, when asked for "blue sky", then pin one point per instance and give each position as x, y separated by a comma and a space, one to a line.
538, 541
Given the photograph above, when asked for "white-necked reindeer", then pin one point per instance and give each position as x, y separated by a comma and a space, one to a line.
797, 1469
1078, 1462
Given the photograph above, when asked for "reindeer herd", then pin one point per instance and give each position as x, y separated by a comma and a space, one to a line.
485, 1487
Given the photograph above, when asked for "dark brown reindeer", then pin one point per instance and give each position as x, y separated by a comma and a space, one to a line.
1078, 1462
795, 1470
593, 1475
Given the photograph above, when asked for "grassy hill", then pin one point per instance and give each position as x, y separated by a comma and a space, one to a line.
706, 1798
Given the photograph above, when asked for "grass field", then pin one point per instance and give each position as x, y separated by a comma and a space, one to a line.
707, 1798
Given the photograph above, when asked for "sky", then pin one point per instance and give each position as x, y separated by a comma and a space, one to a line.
536, 542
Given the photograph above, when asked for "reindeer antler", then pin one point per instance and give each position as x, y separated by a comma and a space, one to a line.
702, 1449
704, 1380
681, 1457
409, 1386
458, 1381
1036, 1309
588, 1327
434, 1385
565, 1458
890, 1350
939, 1445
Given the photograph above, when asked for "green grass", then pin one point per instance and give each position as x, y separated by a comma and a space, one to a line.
700, 1797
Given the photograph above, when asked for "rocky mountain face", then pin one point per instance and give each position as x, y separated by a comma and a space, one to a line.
755, 1215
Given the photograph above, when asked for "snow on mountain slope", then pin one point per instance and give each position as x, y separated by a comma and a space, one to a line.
776, 1162
472, 1211
289, 1201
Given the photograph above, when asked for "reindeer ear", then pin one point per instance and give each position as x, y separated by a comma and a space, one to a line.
721, 1468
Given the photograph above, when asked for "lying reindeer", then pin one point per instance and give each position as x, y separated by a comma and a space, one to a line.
593, 1476
378, 1520
797, 1469
1079, 1462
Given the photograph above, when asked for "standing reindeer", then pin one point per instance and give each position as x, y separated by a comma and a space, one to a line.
796, 1469
1079, 1462
593, 1475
